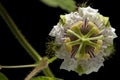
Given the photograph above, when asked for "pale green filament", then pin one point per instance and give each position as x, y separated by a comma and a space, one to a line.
74, 42
79, 49
73, 33
96, 38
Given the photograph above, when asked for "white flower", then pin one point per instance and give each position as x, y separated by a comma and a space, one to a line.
85, 37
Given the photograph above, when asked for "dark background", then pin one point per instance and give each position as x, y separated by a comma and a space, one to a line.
35, 20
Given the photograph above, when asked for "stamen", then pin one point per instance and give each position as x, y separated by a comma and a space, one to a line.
85, 43
84, 28
75, 48
91, 53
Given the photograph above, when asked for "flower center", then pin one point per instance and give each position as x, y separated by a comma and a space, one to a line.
83, 40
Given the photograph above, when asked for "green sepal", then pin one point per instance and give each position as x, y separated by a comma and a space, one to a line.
79, 70
109, 50
105, 20
62, 19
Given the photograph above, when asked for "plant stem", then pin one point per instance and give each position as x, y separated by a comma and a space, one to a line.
52, 59
48, 72
43, 64
13, 27
19, 66
29, 65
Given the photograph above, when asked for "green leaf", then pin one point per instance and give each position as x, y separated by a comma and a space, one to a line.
68, 5
3, 77
45, 78
52, 3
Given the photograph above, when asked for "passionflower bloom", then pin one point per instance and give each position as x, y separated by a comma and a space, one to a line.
85, 39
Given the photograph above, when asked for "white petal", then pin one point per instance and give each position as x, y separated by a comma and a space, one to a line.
86, 12
54, 31
91, 65
68, 64
62, 53
72, 18
109, 35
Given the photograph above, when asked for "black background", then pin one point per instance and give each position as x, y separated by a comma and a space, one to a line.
35, 20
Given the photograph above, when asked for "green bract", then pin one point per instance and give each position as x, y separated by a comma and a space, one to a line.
85, 38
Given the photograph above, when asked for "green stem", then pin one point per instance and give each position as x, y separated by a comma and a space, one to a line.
48, 72
29, 65
19, 66
32, 52
52, 59
42, 65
